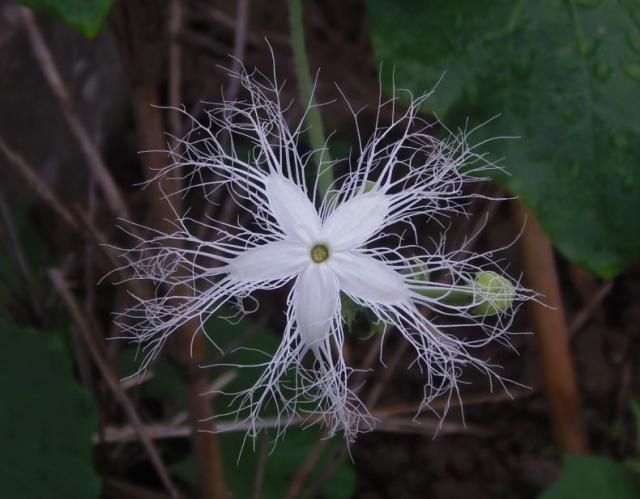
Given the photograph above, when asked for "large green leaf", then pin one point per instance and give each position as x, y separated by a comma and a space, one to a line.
46, 420
593, 477
86, 16
564, 76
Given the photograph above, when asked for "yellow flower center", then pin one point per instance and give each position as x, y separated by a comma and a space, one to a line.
319, 253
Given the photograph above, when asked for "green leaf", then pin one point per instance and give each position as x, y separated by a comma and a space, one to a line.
563, 76
635, 410
37, 252
87, 16
633, 465
46, 420
593, 477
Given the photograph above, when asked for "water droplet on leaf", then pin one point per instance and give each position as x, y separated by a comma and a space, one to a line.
471, 94
634, 41
602, 71
620, 141
632, 70
458, 23
522, 67
567, 116
635, 15
574, 171
588, 3
588, 47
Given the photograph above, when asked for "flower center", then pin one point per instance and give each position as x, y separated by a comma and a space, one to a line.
319, 253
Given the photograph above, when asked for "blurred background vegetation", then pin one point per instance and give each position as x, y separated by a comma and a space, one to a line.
558, 79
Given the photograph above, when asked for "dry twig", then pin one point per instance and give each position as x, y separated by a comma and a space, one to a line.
581, 319
189, 344
393, 424
176, 23
33, 180
76, 221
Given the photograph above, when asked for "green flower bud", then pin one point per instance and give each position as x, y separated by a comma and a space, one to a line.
492, 293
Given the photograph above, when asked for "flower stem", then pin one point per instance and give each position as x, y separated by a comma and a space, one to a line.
457, 297
315, 130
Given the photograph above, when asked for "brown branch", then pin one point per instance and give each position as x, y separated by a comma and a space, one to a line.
581, 319
188, 344
260, 469
176, 23
90, 264
33, 180
76, 221
446, 402
428, 426
305, 470
376, 392
556, 363
119, 489
232, 89
239, 45
56, 83
139, 38
89, 228
390, 424
83, 328
222, 20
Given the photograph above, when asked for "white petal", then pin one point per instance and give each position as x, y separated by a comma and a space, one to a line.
368, 279
316, 302
269, 262
353, 222
295, 213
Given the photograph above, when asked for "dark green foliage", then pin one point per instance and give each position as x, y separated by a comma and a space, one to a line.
46, 447
593, 477
86, 16
564, 77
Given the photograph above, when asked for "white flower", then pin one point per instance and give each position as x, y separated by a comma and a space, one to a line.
362, 239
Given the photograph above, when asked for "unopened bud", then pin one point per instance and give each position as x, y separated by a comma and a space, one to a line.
492, 293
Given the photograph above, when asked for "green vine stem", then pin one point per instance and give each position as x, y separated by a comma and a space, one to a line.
315, 130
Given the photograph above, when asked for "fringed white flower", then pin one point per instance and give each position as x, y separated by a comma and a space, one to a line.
351, 241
